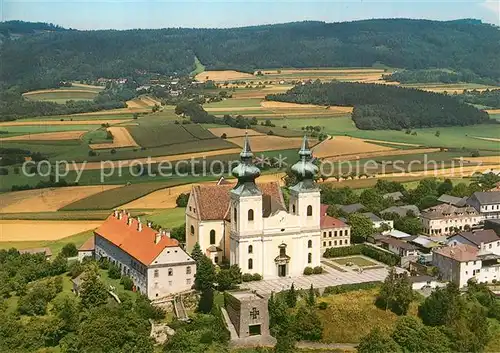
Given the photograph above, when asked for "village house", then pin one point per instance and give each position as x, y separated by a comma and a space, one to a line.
486, 203
45, 251
399, 247
352, 208
334, 232
87, 249
156, 263
446, 219
402, 211
481, 239
460, 263
453, 200
377, 222
249, 225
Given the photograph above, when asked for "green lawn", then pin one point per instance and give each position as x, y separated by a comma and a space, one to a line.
35, 129
356, 260
170, 218
198, 67
63, 95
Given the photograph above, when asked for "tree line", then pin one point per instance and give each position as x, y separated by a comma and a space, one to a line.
382, 107
438, 75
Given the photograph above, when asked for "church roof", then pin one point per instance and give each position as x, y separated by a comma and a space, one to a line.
213, 200
140, 244
328, 222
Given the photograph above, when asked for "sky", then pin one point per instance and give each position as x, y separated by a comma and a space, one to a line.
116, 14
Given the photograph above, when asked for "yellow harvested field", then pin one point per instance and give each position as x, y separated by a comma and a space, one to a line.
117, 111
66, 122
325, 71
121, 138
493, 111
225, 75
269, 143
392, 143
175, 157
344, 145
47, 200
136, 104
47, 136
455, 172
285, 105
346, 155
225, 109
42, 230
484, 160
233, 132
165, 198
83, 86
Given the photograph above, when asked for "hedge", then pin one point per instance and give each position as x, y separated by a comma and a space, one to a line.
366, 250
344, 288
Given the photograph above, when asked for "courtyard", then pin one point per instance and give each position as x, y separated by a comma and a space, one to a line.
357, 260
334, 274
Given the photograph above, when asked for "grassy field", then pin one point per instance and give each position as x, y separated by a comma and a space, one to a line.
352, 315
61, 215
168, 219
198, 67
8, 131
62, 95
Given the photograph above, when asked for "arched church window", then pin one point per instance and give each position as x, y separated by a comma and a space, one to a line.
309, 258
250, 249
250, 264
250, 215
192, 230
235, 215
293, 209
309, 243
309, 210
212, 237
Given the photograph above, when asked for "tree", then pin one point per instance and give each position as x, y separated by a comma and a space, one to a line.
412, 336
67, 309
69, 250
311, 297
410, 225
114, 271
206, 300
285, 343
182, 200
307, 324
378, 342
396, 293
442, 307
445, 187
205, 274
224, 280
93, 293
291, 297
361, 227
196, 253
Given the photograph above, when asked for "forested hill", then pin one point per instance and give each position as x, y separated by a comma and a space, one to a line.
36, 61
382, 107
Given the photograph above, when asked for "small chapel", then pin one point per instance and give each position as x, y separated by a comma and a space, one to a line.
248, 223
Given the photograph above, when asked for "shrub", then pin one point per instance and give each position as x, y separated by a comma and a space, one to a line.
308, 271
92, 153
344, 288
69, 250
113, 151
256, 277
317, 270
223, 136
103, 263
4, 171
323, 305
127, 283
367, 250
114, 271
247, 277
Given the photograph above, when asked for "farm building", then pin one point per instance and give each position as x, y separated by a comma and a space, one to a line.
87, 249
249, 225
156, 263
46, 251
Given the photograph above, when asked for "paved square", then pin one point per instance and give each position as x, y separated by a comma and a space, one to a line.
332, 277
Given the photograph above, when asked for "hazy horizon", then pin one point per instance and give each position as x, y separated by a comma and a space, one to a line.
144, 14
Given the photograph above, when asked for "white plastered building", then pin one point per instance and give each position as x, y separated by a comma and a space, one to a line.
248, 224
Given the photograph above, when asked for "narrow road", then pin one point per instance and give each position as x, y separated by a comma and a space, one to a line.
179, 308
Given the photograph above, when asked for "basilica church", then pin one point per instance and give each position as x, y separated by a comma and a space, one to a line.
249, 225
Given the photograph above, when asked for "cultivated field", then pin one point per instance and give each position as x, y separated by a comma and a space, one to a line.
47, 200
269, 143
233, 132
42, 230
47, 136
121, 139
41, 122
343, 145
221, 76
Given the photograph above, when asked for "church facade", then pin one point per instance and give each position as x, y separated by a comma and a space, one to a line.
248, 224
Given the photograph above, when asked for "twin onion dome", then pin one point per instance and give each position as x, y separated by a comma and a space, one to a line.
246, 172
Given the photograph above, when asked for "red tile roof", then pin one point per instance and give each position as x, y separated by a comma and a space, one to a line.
138, 244
213, 200
328, 222
89, 245
461, 253
323, 209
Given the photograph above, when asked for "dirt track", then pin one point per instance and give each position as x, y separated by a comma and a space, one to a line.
42, 230
47, 136
46, 200
121, 138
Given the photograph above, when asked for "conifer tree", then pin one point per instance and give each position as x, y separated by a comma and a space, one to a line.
291, 297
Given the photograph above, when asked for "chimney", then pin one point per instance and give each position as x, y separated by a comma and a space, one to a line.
149, 224
120, 214
139, 225
158, 237
481, 246
115, 213
166, 233
129, 221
